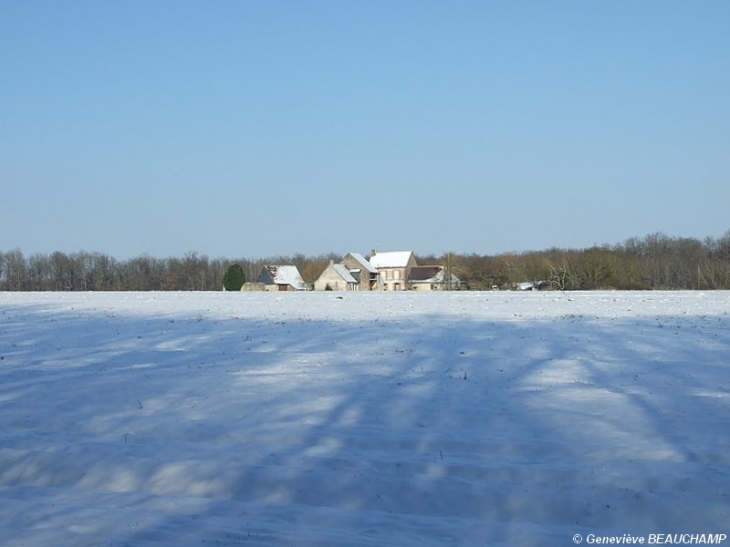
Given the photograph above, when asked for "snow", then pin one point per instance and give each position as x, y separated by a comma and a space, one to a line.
344, 273
286, 275
362, 418
391, 259
364, 262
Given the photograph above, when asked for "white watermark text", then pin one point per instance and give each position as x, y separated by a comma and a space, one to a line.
652, 539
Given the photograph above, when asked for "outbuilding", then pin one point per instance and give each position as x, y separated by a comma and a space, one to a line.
281, 278
336, 277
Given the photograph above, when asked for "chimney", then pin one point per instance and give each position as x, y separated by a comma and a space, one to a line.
372, 253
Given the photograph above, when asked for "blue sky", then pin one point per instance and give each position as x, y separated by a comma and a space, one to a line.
251, 129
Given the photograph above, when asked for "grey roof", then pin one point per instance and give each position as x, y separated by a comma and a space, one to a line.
430, 274
425, 273
365, 263
344, 273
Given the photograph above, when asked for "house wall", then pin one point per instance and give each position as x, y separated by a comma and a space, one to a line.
433, 285
425, 286
352, 264
252, 286
396, 279
273, 287
332, 278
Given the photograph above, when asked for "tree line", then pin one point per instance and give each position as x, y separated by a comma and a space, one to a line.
94, 271
656, 261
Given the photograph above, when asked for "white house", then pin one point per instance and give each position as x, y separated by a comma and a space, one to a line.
394, 268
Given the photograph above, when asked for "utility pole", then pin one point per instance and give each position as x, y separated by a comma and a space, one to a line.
447, 273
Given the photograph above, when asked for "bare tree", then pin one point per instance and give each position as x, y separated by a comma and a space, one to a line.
15, 271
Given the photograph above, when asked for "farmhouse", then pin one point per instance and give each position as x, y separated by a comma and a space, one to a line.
336, 277
432, 278
366, 274
281, 278
394, 268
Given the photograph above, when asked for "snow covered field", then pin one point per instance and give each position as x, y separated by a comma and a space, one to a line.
362, 419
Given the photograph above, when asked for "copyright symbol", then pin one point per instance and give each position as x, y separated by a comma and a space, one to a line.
577, 538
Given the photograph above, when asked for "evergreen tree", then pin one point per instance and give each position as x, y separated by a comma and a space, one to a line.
234, 278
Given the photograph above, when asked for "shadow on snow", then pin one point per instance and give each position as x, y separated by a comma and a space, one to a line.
429, 430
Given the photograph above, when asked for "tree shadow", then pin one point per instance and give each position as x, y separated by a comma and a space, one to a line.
123, 429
